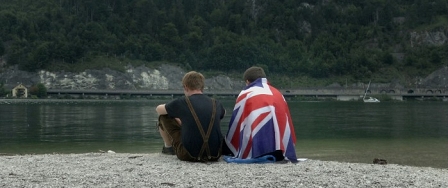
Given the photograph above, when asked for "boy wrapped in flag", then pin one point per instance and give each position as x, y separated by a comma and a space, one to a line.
261, 123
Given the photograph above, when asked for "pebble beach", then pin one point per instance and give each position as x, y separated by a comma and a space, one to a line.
158, 170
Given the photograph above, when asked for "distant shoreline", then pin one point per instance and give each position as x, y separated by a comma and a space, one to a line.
310, 98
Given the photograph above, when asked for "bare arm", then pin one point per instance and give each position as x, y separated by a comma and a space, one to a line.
161, 110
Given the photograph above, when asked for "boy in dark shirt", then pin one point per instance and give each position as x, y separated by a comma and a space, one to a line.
190, 125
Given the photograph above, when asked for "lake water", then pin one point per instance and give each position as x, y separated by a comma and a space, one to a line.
406, 133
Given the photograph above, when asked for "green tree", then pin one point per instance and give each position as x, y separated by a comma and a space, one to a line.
2, 48
3, 91
42, 90
319, 39
39, 90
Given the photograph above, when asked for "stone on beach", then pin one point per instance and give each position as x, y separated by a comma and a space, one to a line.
157, 170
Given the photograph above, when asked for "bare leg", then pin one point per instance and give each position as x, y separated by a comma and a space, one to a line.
166, 138
170, 132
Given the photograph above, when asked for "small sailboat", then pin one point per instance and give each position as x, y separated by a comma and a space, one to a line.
370, 99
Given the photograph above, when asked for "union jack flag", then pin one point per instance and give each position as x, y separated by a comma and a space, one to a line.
261, 123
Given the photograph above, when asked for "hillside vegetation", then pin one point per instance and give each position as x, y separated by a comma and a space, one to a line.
298, 42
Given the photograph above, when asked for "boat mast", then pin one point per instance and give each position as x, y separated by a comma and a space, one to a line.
365, 93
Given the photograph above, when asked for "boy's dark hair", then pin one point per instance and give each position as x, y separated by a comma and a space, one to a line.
253, 73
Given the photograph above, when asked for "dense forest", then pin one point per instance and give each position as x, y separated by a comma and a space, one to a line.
295, 38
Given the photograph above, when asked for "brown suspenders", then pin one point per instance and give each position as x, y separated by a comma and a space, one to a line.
205, 137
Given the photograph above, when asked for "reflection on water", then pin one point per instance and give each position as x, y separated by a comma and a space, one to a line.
409, 133
78, 122
379, 120
78, 126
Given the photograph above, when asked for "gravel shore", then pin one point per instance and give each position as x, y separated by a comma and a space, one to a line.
157, 170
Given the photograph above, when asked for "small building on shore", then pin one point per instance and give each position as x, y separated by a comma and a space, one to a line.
20, 91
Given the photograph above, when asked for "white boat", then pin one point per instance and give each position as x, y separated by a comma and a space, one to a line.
370, 99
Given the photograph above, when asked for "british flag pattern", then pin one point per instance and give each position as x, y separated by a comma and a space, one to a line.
261, 123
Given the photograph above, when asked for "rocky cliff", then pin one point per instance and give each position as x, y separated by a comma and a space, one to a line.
429, 38
165, 77
437, 79
134, 78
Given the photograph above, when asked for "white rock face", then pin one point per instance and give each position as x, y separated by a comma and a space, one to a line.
436, 38
105, 79
149, 79
154, 80
166, 77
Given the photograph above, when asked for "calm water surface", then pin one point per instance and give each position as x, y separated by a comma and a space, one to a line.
407, 133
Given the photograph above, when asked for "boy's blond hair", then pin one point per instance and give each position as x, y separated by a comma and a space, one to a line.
193, 81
